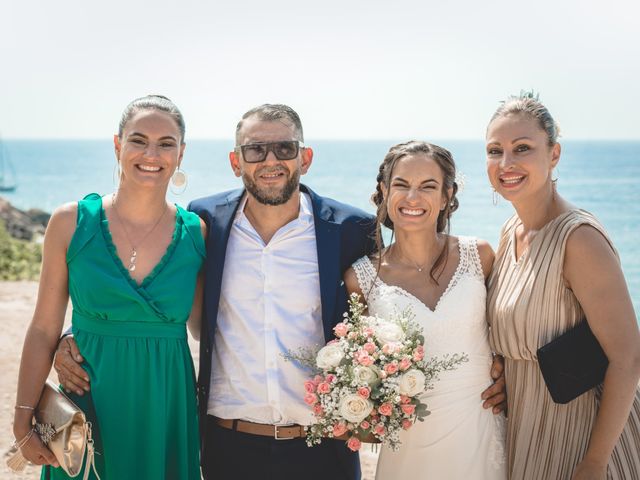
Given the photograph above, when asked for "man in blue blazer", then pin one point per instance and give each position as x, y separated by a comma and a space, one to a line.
276, 253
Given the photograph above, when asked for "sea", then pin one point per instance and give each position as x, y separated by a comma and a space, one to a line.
599, 176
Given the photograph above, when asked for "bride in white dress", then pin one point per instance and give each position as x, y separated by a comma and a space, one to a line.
441, 278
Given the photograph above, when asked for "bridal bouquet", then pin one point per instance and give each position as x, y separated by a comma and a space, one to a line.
369, 379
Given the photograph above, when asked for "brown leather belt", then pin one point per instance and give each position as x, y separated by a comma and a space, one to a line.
278, 432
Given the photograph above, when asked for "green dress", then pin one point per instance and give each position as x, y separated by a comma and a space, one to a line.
133, 337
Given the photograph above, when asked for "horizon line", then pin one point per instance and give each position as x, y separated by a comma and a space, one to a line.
321, 139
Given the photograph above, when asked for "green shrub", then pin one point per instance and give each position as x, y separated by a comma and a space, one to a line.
19, 260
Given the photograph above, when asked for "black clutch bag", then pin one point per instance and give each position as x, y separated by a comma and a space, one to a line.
572, 363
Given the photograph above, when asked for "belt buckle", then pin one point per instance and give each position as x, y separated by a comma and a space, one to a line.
276, 433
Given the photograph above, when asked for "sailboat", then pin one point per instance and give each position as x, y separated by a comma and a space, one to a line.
8, 182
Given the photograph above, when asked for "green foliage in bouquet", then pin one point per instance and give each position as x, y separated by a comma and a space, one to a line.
19, 260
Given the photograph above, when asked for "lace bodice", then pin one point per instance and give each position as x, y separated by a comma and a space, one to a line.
457, 323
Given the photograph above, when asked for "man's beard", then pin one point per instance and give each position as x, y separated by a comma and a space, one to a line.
272, 197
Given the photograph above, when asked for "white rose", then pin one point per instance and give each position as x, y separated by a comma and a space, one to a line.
412, 382
389, 332
364, 374
329, 356
353, 408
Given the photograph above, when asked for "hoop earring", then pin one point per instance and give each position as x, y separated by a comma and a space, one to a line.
179, 180
495, 197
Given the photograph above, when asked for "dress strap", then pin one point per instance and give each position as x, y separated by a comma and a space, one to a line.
470, 257
366, 274
191, 222
87, 224
574, 219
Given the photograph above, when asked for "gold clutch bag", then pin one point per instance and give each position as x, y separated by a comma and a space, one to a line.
64, 429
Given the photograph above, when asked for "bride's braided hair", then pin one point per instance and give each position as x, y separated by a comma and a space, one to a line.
445, 161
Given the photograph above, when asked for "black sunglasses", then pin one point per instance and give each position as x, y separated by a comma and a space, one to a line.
283, 150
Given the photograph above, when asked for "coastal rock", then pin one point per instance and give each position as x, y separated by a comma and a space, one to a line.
22, 225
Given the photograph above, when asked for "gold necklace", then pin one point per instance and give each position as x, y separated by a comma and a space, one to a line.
133, 256
415, 265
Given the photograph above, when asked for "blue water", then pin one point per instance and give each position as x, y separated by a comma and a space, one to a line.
601, 177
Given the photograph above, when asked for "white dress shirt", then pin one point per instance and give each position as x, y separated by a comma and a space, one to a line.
269, 304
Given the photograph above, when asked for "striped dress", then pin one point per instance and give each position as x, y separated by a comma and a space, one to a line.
528, 305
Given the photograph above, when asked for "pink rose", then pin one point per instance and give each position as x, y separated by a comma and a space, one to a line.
365, 425
418, 353
352, 335
407, 424
317, 409
408, 409
379, 429
339, 428
324, 388
404, 399
331, 378
405, 363
310, 399
316, 380
363, 358
354, 444
309, 387
368, 332
364, 392
369, 347
387, 348
384, 409
341, 329
391, 368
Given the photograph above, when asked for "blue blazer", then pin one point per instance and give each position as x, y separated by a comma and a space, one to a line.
343, 234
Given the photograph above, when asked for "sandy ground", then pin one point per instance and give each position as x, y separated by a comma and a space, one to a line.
17, 301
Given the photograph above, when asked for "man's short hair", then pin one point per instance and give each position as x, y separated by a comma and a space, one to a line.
270, 112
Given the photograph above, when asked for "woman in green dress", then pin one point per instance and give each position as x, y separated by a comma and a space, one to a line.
130, 262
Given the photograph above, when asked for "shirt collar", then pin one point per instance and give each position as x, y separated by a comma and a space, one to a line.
305, 214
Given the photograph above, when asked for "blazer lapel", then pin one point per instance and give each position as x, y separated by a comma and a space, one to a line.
328, 245
220, 229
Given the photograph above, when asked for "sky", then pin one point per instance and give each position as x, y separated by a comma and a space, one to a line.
353, 69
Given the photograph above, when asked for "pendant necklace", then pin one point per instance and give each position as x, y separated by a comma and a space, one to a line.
415, 265
133, 256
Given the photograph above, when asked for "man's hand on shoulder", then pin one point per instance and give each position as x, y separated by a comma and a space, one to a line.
67, 364
495, 396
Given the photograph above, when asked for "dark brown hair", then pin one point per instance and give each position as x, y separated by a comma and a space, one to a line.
445, 161
152, 102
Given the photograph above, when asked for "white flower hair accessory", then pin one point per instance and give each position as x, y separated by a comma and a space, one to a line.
460, 180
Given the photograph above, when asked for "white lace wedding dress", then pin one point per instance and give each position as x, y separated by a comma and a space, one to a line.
459, 440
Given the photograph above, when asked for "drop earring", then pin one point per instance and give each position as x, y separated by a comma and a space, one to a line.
117, 174
179, 181
495, 196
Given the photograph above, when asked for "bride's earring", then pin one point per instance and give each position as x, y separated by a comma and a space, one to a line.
179, 181
495, 196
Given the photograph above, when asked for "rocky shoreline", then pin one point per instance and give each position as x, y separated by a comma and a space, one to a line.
26, 225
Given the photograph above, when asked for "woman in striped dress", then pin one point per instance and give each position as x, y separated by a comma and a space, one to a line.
555, 265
